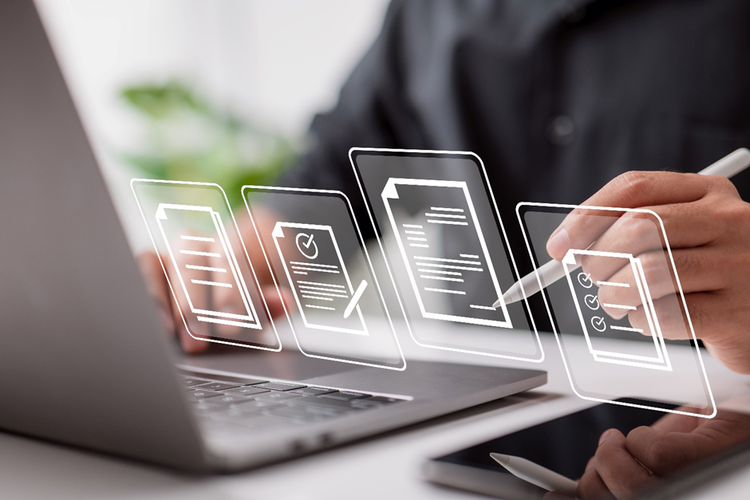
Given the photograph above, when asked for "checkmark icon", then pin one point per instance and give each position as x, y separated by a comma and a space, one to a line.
592, 301
306, 245
585, 280
598, 323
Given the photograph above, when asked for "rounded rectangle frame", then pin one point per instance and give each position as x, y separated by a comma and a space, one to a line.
353, 155
401, 364
134, 183
523, 208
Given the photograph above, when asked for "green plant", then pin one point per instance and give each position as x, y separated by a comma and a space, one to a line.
189, 139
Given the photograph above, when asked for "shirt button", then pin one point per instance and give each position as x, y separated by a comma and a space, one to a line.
561, 130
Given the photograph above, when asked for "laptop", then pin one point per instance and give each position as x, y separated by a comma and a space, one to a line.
83, 357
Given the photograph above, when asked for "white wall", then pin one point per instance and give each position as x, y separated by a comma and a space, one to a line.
276, 62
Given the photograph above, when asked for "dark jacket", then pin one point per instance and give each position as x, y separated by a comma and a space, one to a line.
556, 96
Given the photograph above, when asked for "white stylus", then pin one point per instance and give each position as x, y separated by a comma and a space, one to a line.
536, 474
730, 165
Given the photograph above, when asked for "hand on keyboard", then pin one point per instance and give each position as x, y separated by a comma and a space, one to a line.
158, 287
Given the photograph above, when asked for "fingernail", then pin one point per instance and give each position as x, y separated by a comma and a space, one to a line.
605, 436
558, 244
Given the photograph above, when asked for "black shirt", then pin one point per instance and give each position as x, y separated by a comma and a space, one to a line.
556, 96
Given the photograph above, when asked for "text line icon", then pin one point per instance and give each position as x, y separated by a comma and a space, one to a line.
320, 282
587, 306
204, 263
451, 276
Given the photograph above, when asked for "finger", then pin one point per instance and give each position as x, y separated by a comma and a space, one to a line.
673, 422
189, 344
665, 453
618, 468
632, 234
669, 314
157, 286
686, 225
275, 300
265, 220
696, 267
711, 315
226, 297
591, 486
629, 190
194, 268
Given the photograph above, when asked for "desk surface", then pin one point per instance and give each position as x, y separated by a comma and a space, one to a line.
388, 466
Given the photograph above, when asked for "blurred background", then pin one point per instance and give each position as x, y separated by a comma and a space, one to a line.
220, 91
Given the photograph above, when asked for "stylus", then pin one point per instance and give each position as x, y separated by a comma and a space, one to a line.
552, 271
536, 474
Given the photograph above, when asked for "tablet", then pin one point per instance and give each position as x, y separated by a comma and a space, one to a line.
563, 445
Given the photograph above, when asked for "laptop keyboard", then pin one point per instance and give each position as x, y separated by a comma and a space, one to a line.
256, 403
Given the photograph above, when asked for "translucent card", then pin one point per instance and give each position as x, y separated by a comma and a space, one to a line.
446, 249
206, 264
320, 263
619, 310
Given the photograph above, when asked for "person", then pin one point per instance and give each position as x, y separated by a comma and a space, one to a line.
560, 98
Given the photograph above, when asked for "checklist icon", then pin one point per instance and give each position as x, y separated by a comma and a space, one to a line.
597, 325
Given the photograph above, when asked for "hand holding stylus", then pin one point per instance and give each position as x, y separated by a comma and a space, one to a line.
552, 271
708, 226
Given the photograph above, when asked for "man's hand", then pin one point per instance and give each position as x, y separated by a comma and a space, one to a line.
623, 466
708, 226
158, 287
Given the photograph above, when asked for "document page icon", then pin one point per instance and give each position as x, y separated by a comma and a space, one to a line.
316, 271
451, 215
596, 324
205, 263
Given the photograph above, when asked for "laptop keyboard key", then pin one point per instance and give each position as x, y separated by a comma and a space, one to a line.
216, 386
298, 414
260, 404
276, 396
322, 402
201, 394
313, 391
228, 400
206, 408
190, 382
247, 391
280, 386
345, 395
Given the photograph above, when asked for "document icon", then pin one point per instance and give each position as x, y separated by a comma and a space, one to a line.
596, 324
205, 263
317, 274
451, 215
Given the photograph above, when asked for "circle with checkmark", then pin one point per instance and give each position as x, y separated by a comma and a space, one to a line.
585, 280
598, 323
306, 245
592, 302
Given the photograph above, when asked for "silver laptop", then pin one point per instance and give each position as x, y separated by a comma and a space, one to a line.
83, 358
